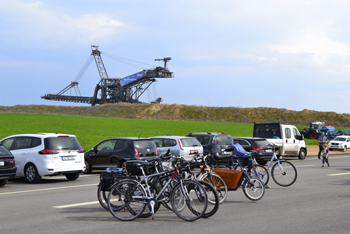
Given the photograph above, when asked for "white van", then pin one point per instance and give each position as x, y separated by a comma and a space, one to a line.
286, 137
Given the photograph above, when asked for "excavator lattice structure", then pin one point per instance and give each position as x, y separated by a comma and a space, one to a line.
113, 90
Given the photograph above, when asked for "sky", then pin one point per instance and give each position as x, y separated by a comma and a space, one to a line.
225, 53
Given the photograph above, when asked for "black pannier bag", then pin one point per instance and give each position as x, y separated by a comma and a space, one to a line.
108, 179
132, 167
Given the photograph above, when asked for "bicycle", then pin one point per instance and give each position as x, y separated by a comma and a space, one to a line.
189, 199
247, 176
212, 178
283, 176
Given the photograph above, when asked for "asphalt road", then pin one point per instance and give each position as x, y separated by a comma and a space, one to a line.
318, 202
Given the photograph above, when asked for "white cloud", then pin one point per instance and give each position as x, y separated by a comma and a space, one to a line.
36, 23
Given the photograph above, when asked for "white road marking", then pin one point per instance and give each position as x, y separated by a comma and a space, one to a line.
303, 166
47, 189
76, 204
339, 174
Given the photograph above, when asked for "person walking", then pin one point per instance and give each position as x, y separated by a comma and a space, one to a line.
325, 155
321, 140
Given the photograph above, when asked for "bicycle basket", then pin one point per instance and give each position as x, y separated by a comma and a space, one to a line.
133, 167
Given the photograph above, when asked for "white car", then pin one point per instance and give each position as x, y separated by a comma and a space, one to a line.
46, 154
186, 147
340, 143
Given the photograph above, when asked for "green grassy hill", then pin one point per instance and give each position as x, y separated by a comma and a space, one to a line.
188, 113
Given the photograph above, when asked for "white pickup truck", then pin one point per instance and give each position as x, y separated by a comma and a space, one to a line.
286, 137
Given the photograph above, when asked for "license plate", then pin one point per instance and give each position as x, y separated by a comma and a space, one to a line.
66, 158
2, 163
193, 151
268, 151
226, 152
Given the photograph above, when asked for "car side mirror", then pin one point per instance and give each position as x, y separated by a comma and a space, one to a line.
93, 149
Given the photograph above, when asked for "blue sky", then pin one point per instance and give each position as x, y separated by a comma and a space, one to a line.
271, 53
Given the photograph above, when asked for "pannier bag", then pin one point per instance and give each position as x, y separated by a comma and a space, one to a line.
108, 179
132, 167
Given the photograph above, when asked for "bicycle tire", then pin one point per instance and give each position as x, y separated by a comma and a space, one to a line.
213, 199
218, 183
263, 173
102, 197
121, 195
288, 177
195, 197
253, 189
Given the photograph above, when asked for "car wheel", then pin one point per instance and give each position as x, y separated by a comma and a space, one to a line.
72, 176
302, 154
88, 167
31, 174
345, 148
3, 182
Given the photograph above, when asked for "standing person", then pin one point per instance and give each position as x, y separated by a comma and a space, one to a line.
325, 155
321, 140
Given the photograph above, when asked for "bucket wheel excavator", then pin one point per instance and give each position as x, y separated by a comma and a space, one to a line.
113, 90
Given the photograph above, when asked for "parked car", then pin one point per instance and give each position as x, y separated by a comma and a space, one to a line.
183, 146
339, 143
216, 142
113, 152
7, 165
260, 145
46, 154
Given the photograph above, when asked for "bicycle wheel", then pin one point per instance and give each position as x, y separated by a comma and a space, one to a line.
218, 183
102, 197
284, 178
213, 199
127, 196
253, 189
193, 195
263, 173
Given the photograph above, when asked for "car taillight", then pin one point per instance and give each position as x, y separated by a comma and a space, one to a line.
81, 150
214, 142
48, 151
216, 154
136, 152
258, 148
180, 144
12, 162
156, 152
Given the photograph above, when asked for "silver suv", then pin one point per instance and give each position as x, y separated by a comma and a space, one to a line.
46, 154
179, 145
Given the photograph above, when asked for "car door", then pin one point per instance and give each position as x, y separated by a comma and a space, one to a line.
20, 149
159, 143
244, 143
102, 152
289, 142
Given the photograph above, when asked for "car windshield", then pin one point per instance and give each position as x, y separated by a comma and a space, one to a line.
144, 144
187, 142
56, 143
224, 140
4, 151
340, 139
267, 131
261, 143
